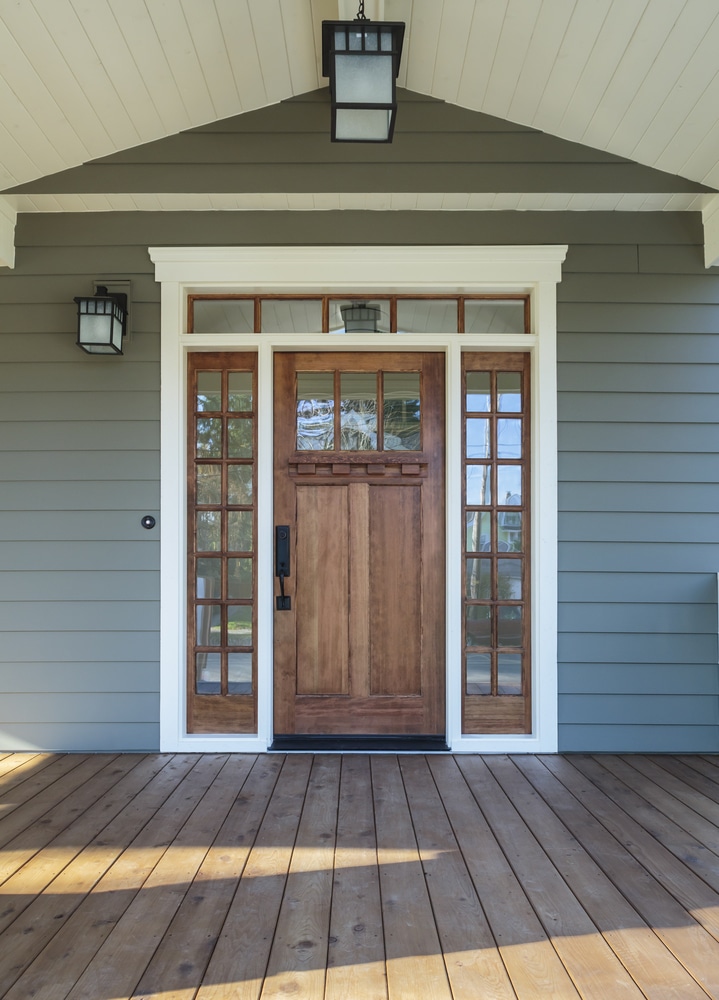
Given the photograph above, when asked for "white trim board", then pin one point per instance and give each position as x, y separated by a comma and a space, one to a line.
505, 269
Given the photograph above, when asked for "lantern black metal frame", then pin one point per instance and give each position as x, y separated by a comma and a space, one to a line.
103, 305
372, 41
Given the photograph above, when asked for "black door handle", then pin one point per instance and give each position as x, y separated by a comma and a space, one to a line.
282, 564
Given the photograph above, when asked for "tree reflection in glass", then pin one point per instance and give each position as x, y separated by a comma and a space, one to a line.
315, 411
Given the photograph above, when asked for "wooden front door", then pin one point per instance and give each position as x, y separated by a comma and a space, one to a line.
359, 483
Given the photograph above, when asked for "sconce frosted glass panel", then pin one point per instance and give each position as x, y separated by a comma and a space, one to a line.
494, 316
223, 316
426, 316
368, 124
363, 79
291, 316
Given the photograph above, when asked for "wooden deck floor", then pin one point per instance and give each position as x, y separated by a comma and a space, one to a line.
353, 877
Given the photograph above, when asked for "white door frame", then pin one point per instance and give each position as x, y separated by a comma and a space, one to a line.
533, 270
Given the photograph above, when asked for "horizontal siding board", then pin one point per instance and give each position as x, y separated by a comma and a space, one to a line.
66, 678
80, 435
639, 679
69, 615
71, 525
59, 289
40, 647
623, 526
638, 618
49, 317
610, 377
44, 466
584, 738
81, 737
78, 708
601, 647
660, 587
58, 496
672, 259
578, 466
631, 317
88, 585
80, 555
638, 710
60, 348
639, 289
638, 348
670, 498
121, 374
639, 407
642, 557
610, 259
643, 438
89, 405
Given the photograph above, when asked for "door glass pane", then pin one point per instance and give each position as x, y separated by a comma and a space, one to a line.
239, 530
291, 315
208, 673
479, 673
209, 625
426, 316
509, 626
493, 316
209, 525
509, 392
479, 538
239, 626
209, 484
209, 391
239, 673
315, 411
239, 438
239, 579
479, 485
479, 396
509, 673
209, 437
359, 316
509, 438
479, 579
478, 625
478, 437
224, 316
239, 391
401, 411
509, 579
509, 485
239, 484
358, 411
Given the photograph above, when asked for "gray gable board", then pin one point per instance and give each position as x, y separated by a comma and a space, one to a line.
638, 481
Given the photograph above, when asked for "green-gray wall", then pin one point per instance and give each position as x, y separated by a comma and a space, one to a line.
638, 470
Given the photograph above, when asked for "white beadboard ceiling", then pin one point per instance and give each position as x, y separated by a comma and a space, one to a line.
81, 79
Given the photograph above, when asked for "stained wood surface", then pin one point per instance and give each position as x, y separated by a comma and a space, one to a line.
339, 877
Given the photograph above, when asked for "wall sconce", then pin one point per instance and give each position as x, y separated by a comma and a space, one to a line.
361, 317
101, 321
361, 59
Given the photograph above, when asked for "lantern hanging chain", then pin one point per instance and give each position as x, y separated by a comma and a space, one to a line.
361, 16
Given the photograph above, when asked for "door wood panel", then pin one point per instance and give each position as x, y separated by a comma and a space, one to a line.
361, 651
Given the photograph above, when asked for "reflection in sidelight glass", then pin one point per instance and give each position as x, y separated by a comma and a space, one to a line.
239, 530
239, 625
479, 396
479, 673
209, 625
209, 391
479, 579
479, 443
239, 392
239, 673
479, 485
478, 625
208, 673
509, 531
209, 484
209, 526
509, 392
239, 437
239, 579
209, 437
291, 315
509, 485
479, 531
401, 411
358, 411
509, 626
494, 316
509, 673
509, 579
209, 577
315, 411
239, 484
509, 437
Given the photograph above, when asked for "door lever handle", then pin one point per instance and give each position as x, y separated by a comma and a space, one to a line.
282, 564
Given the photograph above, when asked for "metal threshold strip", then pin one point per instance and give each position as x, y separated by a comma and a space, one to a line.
360, 744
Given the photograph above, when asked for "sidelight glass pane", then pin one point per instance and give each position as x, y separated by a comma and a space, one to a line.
509, 485
239, 391
479, 537
509, 438
479, 485
239, 484
509, 579
209, 484
509, 673
291, 315
315, 411
479, 579
209, 528
209, 391
509, 531
239, 579
224, 316
209, 437
358, 411
478, 622
401, 411
208, 578
479, 444
479, 673
239, 625
479, 395
509, 626
239, 673
493, 316
426, 316
509, 392
208, 673
239, 438
209, 625
239, 530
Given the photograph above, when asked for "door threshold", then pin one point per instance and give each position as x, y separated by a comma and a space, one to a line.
309, 742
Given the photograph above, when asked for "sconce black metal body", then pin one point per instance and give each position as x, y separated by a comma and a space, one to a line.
101, 321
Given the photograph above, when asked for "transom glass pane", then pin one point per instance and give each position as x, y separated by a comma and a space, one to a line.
426, 316
223, 316
401, 411
358, 411
374, 320
291, 315
315, 411
493, 316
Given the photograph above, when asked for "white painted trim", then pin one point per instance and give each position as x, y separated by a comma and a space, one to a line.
535, 270
8, 217
710, 218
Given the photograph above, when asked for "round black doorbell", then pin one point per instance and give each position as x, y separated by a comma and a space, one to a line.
148, 521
